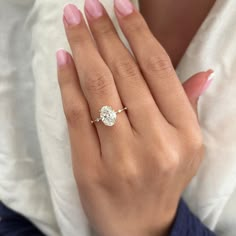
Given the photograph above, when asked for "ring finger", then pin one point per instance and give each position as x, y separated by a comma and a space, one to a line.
96, 79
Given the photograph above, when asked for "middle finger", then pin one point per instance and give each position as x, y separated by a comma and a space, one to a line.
128, 78
156, 66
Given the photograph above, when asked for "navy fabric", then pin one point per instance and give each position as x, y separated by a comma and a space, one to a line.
13, 224
187, 224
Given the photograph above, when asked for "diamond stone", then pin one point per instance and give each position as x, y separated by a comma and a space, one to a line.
108, 116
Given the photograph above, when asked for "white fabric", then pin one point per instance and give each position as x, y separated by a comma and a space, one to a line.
212, 194
35, 167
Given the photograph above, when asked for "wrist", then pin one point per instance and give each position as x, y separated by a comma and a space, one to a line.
163, 221
161, 227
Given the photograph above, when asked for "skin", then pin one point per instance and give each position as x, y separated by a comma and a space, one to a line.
175, 23
130, 176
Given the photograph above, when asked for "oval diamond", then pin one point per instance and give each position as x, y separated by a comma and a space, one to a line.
108, 116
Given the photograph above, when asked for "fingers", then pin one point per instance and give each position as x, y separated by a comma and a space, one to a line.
95, 77
197, 85
84, 140
129, 81
155, 65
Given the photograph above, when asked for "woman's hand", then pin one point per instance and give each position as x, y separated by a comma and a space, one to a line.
131, 175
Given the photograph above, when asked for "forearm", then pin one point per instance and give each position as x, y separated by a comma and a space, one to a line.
174, 23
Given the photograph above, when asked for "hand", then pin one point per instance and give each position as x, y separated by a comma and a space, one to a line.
130, 176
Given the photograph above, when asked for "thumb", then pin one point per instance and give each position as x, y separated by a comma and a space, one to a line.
197, 85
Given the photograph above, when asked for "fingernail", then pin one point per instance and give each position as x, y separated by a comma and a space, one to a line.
94, 8
125, 7
208, 82
62, 57
72, 14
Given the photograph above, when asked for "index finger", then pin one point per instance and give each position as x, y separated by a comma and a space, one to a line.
156, 66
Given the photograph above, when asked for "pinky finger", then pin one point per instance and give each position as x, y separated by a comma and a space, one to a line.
84, 140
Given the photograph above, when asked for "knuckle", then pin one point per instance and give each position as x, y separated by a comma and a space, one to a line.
137, 25
193, 140
75, 113
66, 77
63, 76
126, 68
85, 178
194, 150
77, 35
170, 166
131, 178
98, 82
196, 143
158, 64
129, 173
170, 162
104, 30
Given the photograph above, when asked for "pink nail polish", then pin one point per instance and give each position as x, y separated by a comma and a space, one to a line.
94, 8
208, 82
125, 7
65, 22
62, 57
72, 14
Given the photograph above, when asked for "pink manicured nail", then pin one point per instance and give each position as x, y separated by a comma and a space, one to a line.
208, 82
72, 14
125, 7
94, 8
62, 57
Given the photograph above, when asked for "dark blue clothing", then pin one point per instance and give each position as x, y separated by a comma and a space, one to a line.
186, 224
13, 224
